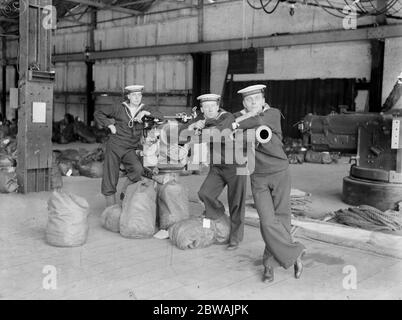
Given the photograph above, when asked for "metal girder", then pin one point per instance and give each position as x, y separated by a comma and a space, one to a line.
381, 32
105, 6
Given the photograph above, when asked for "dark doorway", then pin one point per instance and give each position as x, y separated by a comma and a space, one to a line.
297, 98
201, 75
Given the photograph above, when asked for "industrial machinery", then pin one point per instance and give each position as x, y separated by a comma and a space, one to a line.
376, 138
334, 132
161, 146
164, 148
376, 176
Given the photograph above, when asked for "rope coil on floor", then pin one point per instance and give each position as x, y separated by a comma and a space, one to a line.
370, 218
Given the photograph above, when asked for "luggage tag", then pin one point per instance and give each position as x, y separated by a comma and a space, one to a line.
206, 223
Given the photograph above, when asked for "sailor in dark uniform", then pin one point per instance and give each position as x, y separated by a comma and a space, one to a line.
223, 169
126, 127
270, 184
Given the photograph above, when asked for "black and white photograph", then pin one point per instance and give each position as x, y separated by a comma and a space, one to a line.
217, 152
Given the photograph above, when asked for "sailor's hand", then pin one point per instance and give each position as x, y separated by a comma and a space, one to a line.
199, 125
183, 117
112, 128
247, 116
141, 114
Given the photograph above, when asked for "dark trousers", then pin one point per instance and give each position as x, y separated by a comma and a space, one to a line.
271, 194
114, 156
218, 177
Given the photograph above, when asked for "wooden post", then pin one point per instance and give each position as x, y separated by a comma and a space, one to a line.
377, 62
4, 78
36, 81
377, 67
90, 86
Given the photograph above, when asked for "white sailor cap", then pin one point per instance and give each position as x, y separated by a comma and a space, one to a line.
258, 88
134, 88
209, 97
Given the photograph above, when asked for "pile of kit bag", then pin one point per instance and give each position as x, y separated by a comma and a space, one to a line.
80, 162
8, 163
67, 224
68, 162
148, 208
72, 129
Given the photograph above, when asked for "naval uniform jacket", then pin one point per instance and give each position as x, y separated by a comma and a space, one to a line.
128, 131
223, 121
269, 157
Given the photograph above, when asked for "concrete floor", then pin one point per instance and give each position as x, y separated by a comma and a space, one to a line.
109, 266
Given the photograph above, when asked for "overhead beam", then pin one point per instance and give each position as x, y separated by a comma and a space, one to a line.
333, 36
105, 6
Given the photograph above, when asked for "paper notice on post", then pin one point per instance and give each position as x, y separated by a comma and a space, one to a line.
39, 112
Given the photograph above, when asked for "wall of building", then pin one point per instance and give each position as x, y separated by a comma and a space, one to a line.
168, 78
225, 20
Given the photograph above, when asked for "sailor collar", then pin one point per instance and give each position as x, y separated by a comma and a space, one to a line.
130, 116
220, 113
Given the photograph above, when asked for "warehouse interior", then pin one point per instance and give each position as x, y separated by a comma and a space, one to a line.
333, 69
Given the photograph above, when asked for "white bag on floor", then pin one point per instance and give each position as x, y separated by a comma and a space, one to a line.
111, 218
191, 234
222, 229
172, 204
195, 232
138, 217
67, 224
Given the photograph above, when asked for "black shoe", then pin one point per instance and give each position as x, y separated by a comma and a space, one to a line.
268, 275
298, 266
232, 246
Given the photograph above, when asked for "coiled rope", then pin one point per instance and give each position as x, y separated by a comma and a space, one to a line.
369, 218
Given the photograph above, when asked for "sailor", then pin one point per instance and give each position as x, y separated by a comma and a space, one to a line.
125, 124
223, 168
270, 184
